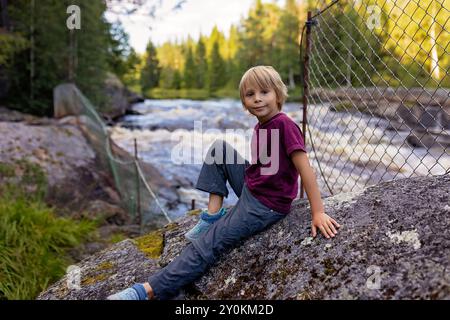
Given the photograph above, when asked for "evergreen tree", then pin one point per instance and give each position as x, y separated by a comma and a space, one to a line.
287, 44
216, 69
150, 74
232, 70
119, 50
201, 65
91, 50
216, 36
132, 77
176, 84
253, 49
189, 70
56, 54
166, 79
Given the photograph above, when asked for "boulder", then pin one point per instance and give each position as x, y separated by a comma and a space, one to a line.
117, 96
393, 244
120, 98
118, 102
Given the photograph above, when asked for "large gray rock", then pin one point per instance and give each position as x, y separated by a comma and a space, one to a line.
106, 272
59, 149
120, 97
394, 243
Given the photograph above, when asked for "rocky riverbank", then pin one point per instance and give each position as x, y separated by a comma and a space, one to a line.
425, 113
393, 244
77, 185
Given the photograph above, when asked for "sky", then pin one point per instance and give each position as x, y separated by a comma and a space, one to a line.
195, 17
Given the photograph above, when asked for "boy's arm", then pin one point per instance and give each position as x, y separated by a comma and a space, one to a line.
320, 219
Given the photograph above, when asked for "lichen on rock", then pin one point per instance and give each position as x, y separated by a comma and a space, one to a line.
411, 237
151, 244
394, 234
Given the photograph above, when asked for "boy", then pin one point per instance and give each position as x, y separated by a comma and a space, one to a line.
266, 188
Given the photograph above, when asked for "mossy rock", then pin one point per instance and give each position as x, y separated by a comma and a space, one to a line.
93, 280
194, 212
151, 244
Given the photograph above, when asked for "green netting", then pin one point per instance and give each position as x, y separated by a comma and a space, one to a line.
128, 175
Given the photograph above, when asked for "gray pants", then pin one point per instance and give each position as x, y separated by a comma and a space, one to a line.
247, 217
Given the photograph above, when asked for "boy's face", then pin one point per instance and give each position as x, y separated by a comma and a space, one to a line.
261, 103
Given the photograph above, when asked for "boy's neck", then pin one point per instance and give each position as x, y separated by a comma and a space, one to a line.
262, 121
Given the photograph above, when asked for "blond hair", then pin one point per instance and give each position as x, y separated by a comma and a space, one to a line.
264, 77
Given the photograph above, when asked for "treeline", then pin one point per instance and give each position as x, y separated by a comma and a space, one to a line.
409, 47
361, 43
38, 52
214, 63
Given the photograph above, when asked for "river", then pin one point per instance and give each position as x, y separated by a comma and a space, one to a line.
355, 149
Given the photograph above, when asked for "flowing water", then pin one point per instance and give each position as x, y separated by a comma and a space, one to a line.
355, 149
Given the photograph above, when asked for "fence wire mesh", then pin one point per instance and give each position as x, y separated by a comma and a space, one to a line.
376, 78
129, 174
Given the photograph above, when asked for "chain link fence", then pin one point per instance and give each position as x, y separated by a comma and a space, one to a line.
131, 177
377, 91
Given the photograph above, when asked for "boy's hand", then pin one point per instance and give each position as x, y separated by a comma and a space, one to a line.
325, 224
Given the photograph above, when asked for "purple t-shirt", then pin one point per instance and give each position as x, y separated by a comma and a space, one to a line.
272, 177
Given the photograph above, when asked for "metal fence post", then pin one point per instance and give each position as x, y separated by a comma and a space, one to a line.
305, 86
138, 196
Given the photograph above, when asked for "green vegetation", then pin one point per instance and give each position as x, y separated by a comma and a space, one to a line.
42, 53
10, 44
151, 244
33, 240
117, 237
212, 66
397, 52
6, 170
39, 52
195, 94
346, 51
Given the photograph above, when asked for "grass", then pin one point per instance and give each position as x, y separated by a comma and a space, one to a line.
33, 240
6, 170
117, 237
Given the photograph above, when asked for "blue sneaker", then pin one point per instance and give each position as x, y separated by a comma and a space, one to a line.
206, 220
136, 292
